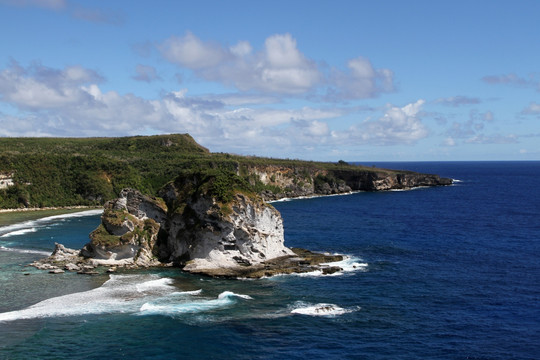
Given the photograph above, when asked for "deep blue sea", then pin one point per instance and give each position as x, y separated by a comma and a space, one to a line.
433, 273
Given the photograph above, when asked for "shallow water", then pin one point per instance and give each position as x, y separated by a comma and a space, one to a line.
439, 273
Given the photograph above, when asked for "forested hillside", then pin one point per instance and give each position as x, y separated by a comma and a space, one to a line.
43, 172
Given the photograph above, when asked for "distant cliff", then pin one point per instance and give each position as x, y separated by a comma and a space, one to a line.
295, 181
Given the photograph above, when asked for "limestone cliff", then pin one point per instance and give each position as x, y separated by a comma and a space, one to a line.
295, 181
205, 234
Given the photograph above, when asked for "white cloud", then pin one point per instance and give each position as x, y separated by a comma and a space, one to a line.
39, 87
279, 68
533, 108
449, 142
399, 125
191, 52
360, 81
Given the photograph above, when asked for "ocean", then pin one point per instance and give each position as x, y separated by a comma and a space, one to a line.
432, 273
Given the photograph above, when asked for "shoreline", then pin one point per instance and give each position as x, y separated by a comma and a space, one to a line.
22, 210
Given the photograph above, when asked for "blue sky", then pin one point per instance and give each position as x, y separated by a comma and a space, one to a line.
318, 80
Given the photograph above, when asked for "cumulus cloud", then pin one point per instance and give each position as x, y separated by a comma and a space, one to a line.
278, 68
191, 52
399, 125
39, 87
360, 81
456, 101
533, 108
146, 73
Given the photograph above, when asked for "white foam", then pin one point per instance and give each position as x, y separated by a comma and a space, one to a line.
349, 264
153, 285
24, 251
119, 294
186, 293
19, 232
165, 306
72, 215
230, 294
312, 197
456, 181
131, 294
321, 309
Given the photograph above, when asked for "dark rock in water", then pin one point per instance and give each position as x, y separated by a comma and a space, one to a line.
303, 261
330, 270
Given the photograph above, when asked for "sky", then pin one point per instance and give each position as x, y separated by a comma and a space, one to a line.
316, 80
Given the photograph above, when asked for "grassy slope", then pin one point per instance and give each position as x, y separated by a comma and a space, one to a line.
90, 171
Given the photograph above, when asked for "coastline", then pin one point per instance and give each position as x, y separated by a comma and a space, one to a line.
12, 216
76, 207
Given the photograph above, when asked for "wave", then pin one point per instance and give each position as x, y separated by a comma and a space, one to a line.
119, 294
167, 307
321, 309
25, 251
349, 264
130, 294
34, 225
311, 197
19, 232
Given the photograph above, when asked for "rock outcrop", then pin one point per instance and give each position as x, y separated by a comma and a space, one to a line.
129, 230
191, 229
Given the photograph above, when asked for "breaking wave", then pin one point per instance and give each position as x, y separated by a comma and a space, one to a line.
25, 251
130, 294
171, 307
19, 232
348, 265
311, 197
321, 309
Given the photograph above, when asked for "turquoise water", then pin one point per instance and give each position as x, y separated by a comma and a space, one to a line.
436, 273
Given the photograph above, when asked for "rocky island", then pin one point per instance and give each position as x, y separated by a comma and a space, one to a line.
170, 202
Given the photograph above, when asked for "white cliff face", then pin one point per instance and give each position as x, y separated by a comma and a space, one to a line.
250, 235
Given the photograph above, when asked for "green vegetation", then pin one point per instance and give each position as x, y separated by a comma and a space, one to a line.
51, 172
101, 237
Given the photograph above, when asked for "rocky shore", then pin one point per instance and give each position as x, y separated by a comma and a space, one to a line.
302, 261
